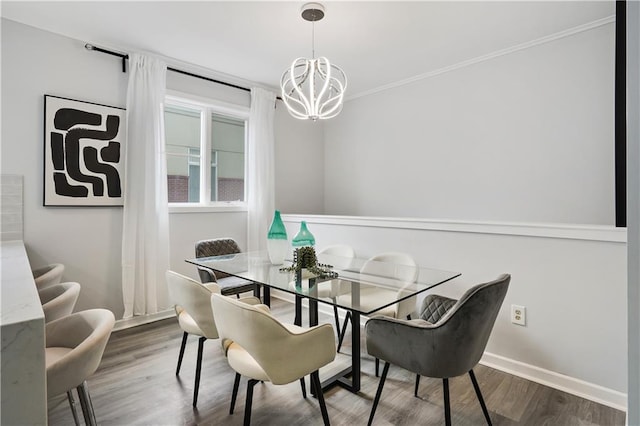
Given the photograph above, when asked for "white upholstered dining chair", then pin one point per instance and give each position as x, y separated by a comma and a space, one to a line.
192, 303
340, 257
260, 347
398, 266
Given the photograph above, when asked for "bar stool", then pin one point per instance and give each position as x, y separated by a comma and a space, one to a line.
48, 275
59, 300
73, 352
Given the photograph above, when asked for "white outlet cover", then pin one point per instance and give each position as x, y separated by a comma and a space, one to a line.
518, 314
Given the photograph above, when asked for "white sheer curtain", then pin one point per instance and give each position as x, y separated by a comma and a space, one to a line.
261, 197
145, 228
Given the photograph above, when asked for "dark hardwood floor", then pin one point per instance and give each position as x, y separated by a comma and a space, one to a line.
136, 385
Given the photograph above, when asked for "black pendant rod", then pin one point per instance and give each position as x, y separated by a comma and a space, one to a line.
124, 58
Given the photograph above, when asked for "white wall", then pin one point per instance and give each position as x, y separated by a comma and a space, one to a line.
633, 207
300, 164
571, 279
525, 136
88, 240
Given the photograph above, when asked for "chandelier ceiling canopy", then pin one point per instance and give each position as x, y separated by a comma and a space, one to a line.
313, 89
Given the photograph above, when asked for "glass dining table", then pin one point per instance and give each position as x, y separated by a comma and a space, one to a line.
348, 287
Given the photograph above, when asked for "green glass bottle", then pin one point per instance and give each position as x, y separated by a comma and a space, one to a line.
304, 237
277, 242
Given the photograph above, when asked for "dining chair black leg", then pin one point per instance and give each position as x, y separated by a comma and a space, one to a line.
83, 406
182, 346
344, 330
315, 379
336, 317
196, 386
385, 370
234, 394
72, 404
247, 405
479, 394
297, 320
85, 403
303, 386
85, 390
447, 408
266, 295
415, 392
377, 367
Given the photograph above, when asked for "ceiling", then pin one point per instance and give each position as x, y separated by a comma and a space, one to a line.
375, 43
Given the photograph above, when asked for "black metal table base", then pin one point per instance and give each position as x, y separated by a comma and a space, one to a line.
340, 378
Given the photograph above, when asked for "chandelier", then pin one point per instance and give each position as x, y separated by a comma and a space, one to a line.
313, 88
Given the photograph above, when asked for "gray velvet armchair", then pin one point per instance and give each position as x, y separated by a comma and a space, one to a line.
228, 284
447, 341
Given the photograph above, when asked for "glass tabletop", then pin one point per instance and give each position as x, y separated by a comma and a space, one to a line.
361, 285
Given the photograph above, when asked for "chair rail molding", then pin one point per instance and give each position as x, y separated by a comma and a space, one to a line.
544, 230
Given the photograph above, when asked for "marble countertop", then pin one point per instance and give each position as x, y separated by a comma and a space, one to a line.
19, 301
23, 380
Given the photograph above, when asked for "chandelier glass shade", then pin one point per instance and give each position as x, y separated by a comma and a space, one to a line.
313, 89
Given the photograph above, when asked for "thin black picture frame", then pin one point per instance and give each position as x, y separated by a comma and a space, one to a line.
84, 146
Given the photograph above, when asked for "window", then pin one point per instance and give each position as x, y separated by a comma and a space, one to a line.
205, 146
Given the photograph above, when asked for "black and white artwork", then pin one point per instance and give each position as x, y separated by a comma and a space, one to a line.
83, 153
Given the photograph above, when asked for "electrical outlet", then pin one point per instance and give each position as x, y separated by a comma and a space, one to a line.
518, 314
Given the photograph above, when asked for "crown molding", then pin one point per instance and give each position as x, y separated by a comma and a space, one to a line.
533, 43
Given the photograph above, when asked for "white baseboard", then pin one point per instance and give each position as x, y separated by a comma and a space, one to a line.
125, 323
586, 390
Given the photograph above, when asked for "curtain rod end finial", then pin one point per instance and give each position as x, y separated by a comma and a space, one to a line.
88, 46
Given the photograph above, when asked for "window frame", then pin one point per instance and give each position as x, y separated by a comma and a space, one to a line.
208, 106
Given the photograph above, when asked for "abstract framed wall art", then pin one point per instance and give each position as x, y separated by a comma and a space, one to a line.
83, 153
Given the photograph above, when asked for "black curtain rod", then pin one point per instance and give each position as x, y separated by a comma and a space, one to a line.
124, 58
190, 74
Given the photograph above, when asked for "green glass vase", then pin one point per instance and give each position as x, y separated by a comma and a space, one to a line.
304, 237
277, 242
